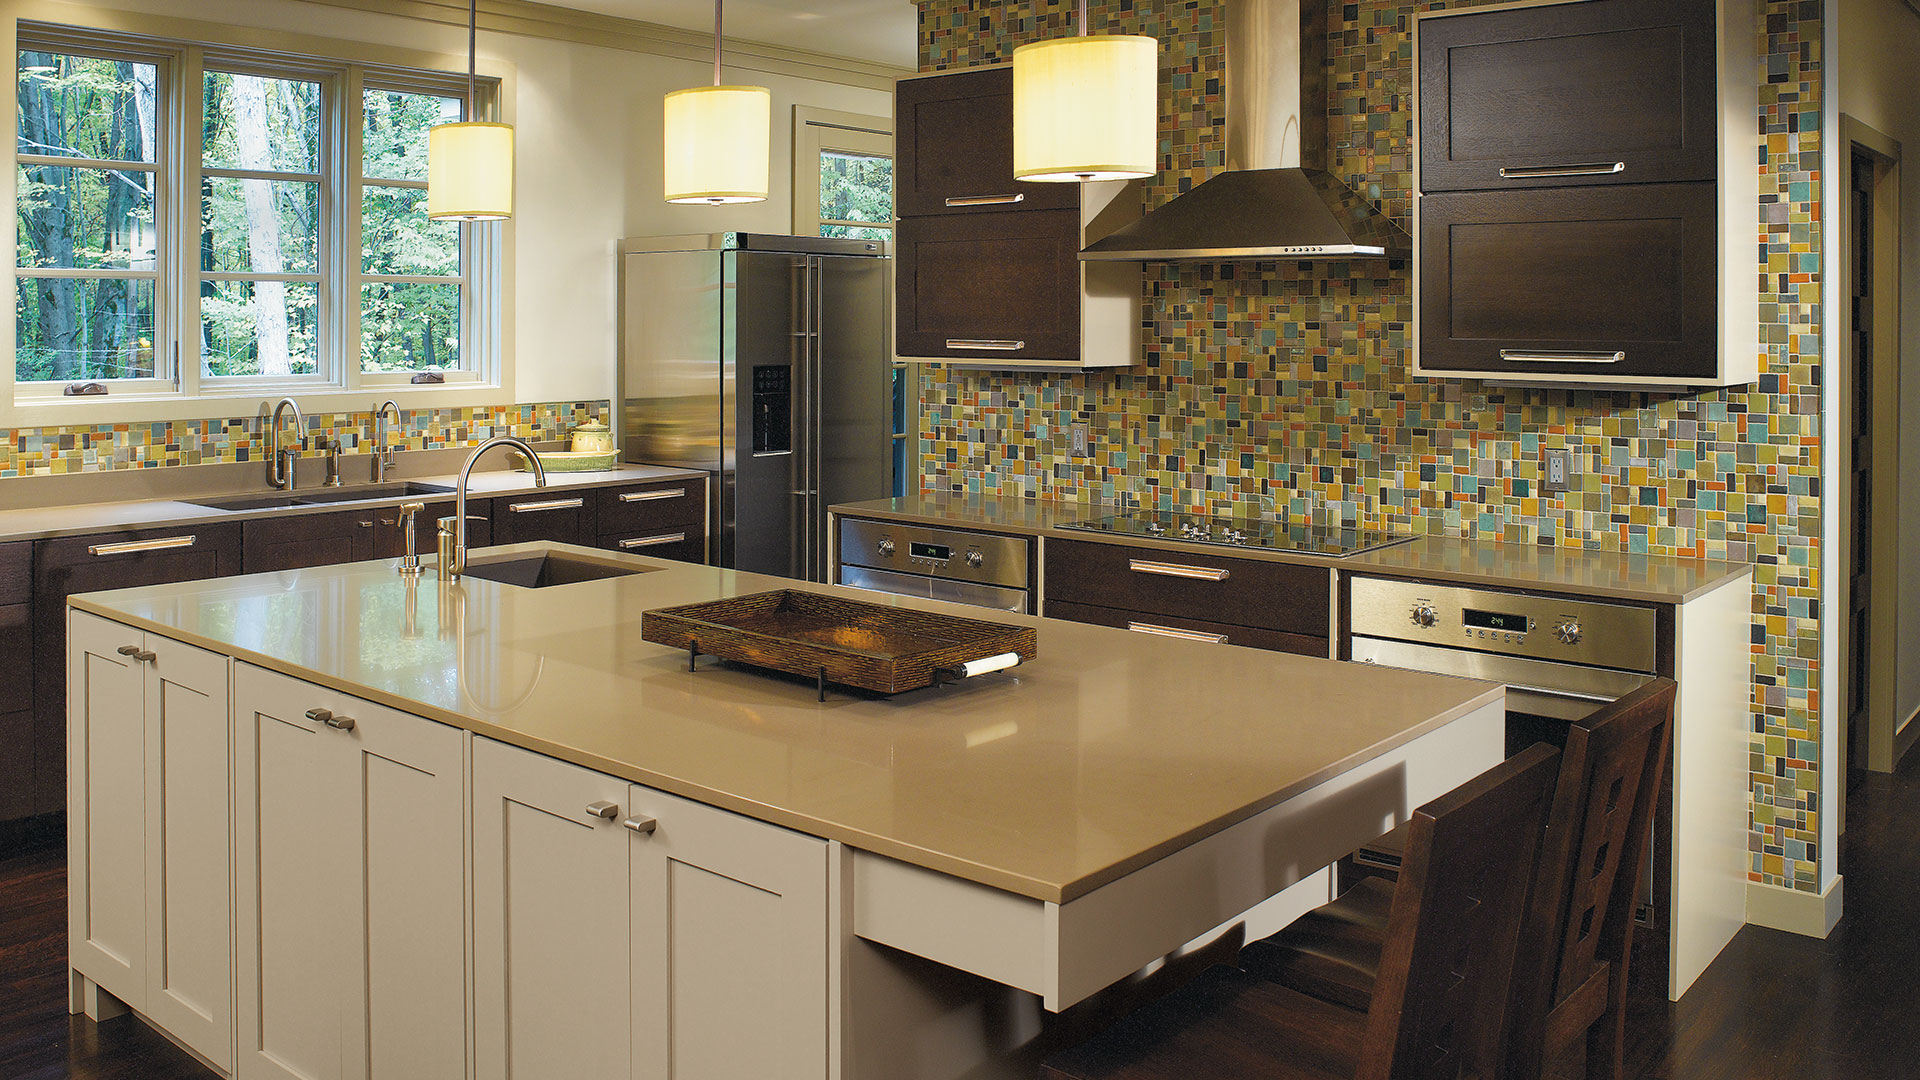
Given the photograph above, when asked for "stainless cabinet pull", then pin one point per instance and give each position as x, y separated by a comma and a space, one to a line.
550, 504
1176, 632
994, 344
642, 825
364, 524
985, 200
650, 541
1519, 357
135, 652
1536, 172
1165, 569
649, 496
325, 716
603, 809
134, 547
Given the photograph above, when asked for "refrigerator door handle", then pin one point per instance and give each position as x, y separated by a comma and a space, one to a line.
816, 518
805, 410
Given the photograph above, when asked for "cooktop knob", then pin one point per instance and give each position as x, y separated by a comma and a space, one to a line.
1424, 615
885, 546
1568, 632
976, 560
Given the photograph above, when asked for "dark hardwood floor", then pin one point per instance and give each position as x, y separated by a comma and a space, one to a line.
1774, 1006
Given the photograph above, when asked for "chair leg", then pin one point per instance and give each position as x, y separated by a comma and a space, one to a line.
1607, 1038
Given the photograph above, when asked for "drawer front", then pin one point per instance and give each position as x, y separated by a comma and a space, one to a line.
651, 506
1623, 92
308, 540
562, 517
1174, 626
16, 572
1196, 585
1597, 283
687, 543
989, 287
954, 140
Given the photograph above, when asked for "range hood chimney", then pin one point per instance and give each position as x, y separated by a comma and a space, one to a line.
1276, 200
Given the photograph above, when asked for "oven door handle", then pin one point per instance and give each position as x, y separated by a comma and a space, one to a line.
1548, 691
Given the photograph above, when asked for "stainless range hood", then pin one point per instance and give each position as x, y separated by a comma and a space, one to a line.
1276, 200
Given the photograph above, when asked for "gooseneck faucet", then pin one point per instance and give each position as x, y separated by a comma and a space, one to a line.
382, 449
453, 557
280, 461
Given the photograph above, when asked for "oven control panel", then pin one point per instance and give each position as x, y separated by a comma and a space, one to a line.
1532, 625
956, 554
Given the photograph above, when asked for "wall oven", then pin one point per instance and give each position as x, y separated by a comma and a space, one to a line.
982, 569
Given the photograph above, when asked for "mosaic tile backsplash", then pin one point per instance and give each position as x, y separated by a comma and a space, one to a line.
1285, 388
98, 448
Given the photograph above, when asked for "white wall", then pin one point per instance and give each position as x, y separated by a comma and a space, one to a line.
1876, 58
587, 124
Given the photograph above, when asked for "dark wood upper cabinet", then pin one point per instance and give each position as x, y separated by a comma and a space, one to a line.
1598, 92
954, 143
989, 286
1585, 282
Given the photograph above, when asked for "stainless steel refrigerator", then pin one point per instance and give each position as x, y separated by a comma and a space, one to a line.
764, 360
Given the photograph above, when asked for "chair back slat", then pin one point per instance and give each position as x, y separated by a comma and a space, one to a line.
1447, 964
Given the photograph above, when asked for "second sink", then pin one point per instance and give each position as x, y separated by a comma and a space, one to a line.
319, 498
542, 571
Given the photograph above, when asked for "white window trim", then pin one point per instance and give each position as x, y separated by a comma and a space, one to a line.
489, 336
819, 130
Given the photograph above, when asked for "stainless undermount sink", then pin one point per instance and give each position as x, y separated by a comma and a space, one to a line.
551, 568
325, 497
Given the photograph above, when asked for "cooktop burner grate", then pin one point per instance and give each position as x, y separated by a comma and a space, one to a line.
1260, 533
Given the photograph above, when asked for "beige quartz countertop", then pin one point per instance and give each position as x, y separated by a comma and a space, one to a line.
1105, 753
77, 520
1578, 571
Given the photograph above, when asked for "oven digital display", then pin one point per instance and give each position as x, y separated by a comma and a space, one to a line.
936, 552
1494, 620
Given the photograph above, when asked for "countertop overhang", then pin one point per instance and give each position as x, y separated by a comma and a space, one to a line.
1106, 753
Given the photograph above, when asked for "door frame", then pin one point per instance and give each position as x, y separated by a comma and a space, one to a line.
1885, 741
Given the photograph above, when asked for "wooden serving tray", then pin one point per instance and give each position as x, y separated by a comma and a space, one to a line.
832, 639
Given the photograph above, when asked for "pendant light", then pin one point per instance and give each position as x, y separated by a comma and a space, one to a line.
470, 164
718, 139
1084, 107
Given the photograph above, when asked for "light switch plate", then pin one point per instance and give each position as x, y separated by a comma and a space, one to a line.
1077, 435
1554, 480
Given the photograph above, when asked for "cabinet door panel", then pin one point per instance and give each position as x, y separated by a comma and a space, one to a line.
562, 517
291, 543
551, 990
954, 140
1012, 279
16, 729
107, 836
652, 508
1595, 282
729, 945
189, 848
1631, 83
292, 926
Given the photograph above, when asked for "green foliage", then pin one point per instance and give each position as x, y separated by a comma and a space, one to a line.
855, 187
394, 132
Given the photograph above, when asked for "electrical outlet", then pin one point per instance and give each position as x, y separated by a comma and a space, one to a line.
1559, 468
1077, 435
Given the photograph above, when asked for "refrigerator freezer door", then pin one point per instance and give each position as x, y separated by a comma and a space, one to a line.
853, 386
764, 498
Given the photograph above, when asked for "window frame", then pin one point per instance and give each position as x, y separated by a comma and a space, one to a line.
184, 49
820, 131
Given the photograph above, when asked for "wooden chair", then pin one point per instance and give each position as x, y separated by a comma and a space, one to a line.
1579, 934
1439, 1006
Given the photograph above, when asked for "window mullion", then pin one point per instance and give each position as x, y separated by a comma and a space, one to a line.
185, 116
353, 105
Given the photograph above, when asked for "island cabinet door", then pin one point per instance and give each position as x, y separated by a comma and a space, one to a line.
352, 884
149, 901
729, 944
550, 983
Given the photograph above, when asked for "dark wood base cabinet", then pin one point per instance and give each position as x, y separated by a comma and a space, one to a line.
1174, 626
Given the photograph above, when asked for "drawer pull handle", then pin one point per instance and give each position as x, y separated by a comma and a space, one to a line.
1176, 632
603, 809
642, 825
1519, 357
651, 541
649, 496
1541, 172
134, 547
324, 716
137, 653
549, 504
985, 200
1165, 569
990, 344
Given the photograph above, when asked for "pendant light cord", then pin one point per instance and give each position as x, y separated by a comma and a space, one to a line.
473, 36
716, 41
1083, 18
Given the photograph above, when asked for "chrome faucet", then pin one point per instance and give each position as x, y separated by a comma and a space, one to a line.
280, 460
453, 556
382, 450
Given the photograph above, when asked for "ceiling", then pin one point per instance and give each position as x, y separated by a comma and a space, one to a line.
880, 31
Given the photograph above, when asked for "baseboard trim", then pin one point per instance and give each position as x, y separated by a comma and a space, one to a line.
1805, 913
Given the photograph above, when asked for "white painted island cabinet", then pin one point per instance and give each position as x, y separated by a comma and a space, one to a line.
351, 879
623, 932
148, 904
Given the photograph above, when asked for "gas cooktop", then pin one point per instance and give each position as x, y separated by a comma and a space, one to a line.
1262, 533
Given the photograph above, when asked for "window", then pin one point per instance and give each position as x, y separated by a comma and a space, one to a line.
843, 175
199, 220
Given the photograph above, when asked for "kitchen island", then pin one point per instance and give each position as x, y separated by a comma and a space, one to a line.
403, 803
